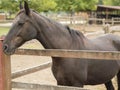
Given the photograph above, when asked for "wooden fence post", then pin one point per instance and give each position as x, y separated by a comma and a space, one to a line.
5, 70
103, 22
112, 21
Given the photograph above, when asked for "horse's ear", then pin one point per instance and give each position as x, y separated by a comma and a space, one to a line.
21, 7
27, 10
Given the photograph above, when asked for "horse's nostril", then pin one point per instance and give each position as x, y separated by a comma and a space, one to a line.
5, 47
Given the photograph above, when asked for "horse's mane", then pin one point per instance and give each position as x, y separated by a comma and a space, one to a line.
72, 31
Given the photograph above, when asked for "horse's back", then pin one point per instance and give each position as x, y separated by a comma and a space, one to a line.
108, 42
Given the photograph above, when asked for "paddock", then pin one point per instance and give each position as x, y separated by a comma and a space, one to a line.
43, 68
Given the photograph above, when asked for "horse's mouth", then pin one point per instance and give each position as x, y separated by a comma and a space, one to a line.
10, 52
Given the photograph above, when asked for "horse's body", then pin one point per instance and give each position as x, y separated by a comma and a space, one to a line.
88, 72
52, 35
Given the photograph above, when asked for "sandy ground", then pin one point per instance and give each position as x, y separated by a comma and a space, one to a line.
45, 76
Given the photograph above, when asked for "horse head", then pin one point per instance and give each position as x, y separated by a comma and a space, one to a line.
22, 30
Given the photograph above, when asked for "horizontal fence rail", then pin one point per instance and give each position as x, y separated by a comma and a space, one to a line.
30, 70
99, 55
29, 86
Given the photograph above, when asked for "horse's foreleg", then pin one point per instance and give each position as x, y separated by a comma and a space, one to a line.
109, 85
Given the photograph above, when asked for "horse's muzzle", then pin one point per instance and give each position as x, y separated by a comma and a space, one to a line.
7, 50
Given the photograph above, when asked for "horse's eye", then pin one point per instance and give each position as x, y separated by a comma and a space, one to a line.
20, 23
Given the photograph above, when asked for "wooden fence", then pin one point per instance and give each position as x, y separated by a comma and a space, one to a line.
6, 76
112, 21
80, 20
5, 70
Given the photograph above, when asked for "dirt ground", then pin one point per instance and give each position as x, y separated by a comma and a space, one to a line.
19, 62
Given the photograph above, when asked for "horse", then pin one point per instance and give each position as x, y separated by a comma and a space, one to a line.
28, 25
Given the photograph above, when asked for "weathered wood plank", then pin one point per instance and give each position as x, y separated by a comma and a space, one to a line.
99, 55
30, 70
5, 70
42, 87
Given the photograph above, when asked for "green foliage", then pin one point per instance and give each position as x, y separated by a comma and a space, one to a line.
76, 5
112, 2
100, 2
116, 2
12, 6
42, 5
9, 5
107, 2
39, 5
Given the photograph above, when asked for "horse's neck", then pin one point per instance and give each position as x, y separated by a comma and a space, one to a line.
52, 35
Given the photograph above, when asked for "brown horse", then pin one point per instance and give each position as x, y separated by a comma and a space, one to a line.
29, 25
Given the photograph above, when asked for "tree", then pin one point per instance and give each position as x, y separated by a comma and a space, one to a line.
9, 5
42, 5
76, 5
112, 2
39, 5
100, 2
90, 4
116, 2
107, 2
